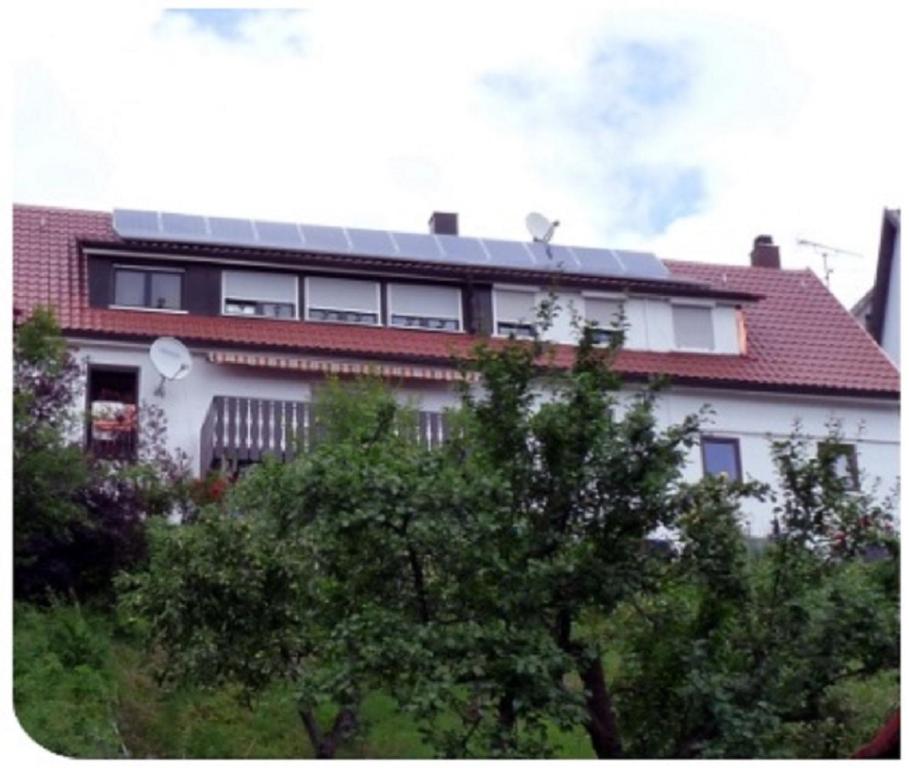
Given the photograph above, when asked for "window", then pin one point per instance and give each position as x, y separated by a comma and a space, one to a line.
431, 307
693, 326
721, 457
148, 288
606, 313
113, 414
845, 462
515, 313
337, 300
260, 294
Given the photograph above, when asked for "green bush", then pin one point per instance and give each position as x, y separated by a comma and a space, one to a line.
64, 693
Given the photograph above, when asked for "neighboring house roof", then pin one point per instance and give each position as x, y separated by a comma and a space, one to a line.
799, 336
890, 227
861, 310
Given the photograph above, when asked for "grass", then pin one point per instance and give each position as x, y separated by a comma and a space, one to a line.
83, 692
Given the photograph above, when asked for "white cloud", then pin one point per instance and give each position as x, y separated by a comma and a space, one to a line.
374, 115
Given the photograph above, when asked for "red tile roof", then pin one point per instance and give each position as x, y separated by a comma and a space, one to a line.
799, 336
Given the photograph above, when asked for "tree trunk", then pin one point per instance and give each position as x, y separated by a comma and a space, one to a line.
601, 723
326, 745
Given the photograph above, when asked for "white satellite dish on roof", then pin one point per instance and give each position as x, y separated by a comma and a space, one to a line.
171, 359
541, 229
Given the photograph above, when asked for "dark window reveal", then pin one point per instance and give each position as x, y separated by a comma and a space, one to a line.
148, 288
721, 457
845, 462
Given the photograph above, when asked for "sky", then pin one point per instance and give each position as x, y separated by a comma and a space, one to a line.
685, 129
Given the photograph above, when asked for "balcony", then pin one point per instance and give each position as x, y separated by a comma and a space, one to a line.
242, 430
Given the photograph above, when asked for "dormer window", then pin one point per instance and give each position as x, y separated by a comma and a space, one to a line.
428, 307
606, 313
515, 312
338, 300
148, 288
693, 327
260, 294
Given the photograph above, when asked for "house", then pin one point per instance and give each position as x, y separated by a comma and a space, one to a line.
879, 310
267, 309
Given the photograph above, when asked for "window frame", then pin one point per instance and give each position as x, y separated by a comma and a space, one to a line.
389, 295
852, 481
224, 297
308, 306
725, 440
147, 270
695, 304
619, 298
132, 370
496, 320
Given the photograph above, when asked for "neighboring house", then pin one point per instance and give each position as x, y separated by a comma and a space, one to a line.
268, 309
879, 310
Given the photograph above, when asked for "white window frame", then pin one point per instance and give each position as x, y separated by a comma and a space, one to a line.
391, 310
495, 305
701, 304
224, 296
147, 268
308, 303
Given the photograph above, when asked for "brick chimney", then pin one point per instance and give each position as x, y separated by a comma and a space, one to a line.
443, 223
765, 253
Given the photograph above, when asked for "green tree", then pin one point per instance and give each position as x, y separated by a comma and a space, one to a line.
456, 578
738, 656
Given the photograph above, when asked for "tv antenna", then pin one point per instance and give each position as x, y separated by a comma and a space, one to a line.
826, 251
171, 359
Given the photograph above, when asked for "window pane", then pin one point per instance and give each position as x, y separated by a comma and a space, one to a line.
336, 293
515, 306
260, 286
845, 464
720, 458
604, 311
165, 290
693, 327
425, 300
129, 288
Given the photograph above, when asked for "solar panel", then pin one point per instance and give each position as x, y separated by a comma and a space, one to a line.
448, 249
509, 253
175, 226
325, 239
372, 242
141, 223
419, 247
598, 261
232, 231
463, 250
273, 234
643, 265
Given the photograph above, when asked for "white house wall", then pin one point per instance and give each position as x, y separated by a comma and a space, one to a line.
753, 418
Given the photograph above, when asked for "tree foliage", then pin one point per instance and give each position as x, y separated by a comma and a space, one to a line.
482, 583
77, 520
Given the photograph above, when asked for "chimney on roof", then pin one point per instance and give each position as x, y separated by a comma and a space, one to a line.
443, 223
765, 253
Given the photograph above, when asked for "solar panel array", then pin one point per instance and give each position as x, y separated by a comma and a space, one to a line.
408, 246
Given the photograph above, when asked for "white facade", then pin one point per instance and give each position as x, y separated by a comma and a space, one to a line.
753, 418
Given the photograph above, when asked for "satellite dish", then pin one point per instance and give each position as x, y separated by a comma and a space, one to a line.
541, 229
171, 359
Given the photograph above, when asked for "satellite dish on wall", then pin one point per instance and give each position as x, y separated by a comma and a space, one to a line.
171, 359
541, 229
